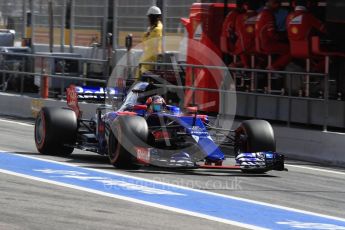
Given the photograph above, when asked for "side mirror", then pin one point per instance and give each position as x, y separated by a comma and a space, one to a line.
140, 107
193, 109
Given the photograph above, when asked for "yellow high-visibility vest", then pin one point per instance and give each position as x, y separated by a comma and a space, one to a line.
152, 46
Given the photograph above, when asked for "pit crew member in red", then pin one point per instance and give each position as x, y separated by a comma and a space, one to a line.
301, 22
228, 36
270, 41
245, 31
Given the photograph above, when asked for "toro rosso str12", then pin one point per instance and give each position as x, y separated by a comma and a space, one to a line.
133, 136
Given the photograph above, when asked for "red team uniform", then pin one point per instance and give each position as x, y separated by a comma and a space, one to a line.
228, 30
300, 24
270, 40
245, 31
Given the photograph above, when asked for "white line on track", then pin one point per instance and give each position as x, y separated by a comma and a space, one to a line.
191, 189
176, 210
315, 169
16, 122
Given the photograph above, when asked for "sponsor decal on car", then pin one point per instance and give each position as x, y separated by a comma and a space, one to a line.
143, 155
89, 92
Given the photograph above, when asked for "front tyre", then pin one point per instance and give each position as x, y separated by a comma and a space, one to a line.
254, 136
55, 131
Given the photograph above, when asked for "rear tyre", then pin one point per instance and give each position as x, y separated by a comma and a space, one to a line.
255, 136
127, 132
56, 131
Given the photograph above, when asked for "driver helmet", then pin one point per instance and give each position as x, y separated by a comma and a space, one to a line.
155, 103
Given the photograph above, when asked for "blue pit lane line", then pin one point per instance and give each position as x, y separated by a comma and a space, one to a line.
226, 209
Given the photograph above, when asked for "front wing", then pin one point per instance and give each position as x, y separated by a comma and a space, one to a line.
246, 161
261, 160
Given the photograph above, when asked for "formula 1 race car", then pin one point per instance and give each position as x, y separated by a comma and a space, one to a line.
131, 136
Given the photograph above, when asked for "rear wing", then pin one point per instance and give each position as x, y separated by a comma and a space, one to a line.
92, 94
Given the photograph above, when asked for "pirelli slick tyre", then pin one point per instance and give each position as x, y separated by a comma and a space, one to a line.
255, 136
56, 131
127, 132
